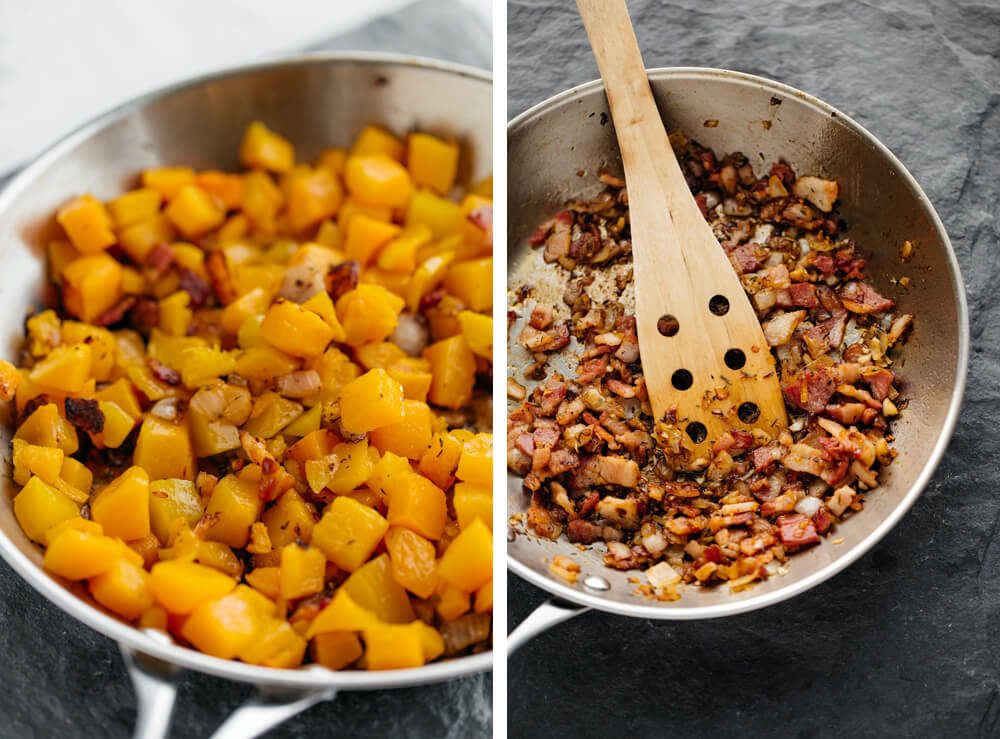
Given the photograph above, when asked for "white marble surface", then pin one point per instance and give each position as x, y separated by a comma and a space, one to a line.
63, 62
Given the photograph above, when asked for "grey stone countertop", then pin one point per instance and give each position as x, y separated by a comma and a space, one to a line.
904, 642
62, 679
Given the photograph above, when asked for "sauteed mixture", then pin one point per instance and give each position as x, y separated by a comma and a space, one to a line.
599, 468
254, 419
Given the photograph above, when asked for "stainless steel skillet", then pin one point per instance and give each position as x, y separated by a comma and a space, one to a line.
316, 101
552, 143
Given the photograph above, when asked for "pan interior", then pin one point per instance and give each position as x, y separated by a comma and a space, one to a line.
554, 153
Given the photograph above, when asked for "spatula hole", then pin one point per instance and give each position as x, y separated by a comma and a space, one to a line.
668, 325
719, 305
681, 379
748, 412
735, 359
697, 431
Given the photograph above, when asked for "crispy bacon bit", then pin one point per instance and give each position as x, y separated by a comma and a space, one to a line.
618, 471
747, 258
558, 241
545, 341
620, 388
779, 329
879, 380
342, 278
117, 312
803, 294
583, 532
160, 259
765, 456
163, 373
810, 390
144, 314
860, 297
796, 530
199, 290
541, 317
592, 369
821, 193
222, 282
85, 414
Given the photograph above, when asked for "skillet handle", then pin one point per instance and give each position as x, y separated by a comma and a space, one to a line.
550, 613
268, 709
155, 683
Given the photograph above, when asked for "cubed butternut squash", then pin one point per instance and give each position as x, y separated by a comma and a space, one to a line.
439, 462
170, 501
476, 463
420, 506
471, 281
440, 215
291, 518
194, 211
414, 375
45, 427
366, 236
373, 587
180, 585
87, 223
348, 533
478, 332
375, 140
484, 599
262, 147
336, 650
394, 646
302, 571
271, 413
368, 313
38, 507
266, 580
427, 277
237, 503
473, 501
226, 188
371, 401
432, 162
167, 180
80, 555
222, 627
378, 179
277, 645
101, 343
468, 561
122, 508
342, 614
134, 205
295, 330
163, 449
453, 372
400, 254
410, 436
124, 589
452, 601
414, 561
66, 369
91, 285
312, 197
30, 459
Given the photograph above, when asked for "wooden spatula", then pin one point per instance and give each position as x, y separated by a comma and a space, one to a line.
707, 366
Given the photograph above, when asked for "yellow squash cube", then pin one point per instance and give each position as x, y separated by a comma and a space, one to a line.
66, 369
484, 599
342, 614
237, 503
39, 507
175, 313
471, 281
302, 573
348, 532
428, 276
295, 330
420, 506
473, 501
313, 197
134, 205
374, 140
91, 285
194, 211
373, 587
439, 462
478, 332
440, 215
262, 147
410, 436
139, 238
378, 180
336, 650
124, 589
366, 235
276, 645
122, 508
180, 585
400, 254
368, 313
222, 627
453, 372
414, 375
167, 180
476, 463
468, 561
102, 346
163, 449
226, 188
45, 427
371, 401
170, 501
452, 602
414, 561
264, 362
80, 555
291, 518
29, 459
394, 646
432, 162
87, 224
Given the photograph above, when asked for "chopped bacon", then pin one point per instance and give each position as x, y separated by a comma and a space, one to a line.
822, 519
620, 388
569, 411
583, 532
197, 289
117, 312
860, 297
545, 341
810, 390
540, 521
827, 334
163, 373
589, 503
562, 460
160, 259
764, 456
847, 413
144, 314
541, 233
796, 530
747, 258
431, 299
803, 294
879, 381
558, 241
541, 317
592, 370
550, 395
824, 263
222, 281
85, 414
618, 471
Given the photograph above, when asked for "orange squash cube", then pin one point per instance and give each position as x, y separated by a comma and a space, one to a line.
394, 647
291, 518
170, 501
91, 285
194, 211
439, 462
277, 645
248, 305
175, 314
148, 549
379, 354
101, 343
378, 180
222, 627
155, 617
453, 372
336, 650
322, 306
373, 587
30, 459
353, 207
264, 362
39, 507
391, 473
420, 506
342, 614
348, 532
163, 449
432, 162
139, 238
440, 215
414, 375
261, 201
400, 254
262, 147
313, 197
427, 277
302, 571
414, 561
375, 140
477, 330
365, 236
315, 445
473, 501
66, 369
333, 158
409, 437
271, 413
181, 585
371, 401
122, 508
134, 205
238, 504
346, 468
452, 602
124, 589
265, 580
77, 474
45, 427
295, 330
167, 180
80, 555
227, 188
468, 561
484, 599
471, 281
87, 224
368, 313
476, 462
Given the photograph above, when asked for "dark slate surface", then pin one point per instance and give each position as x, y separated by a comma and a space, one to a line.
905, 642
62, 679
